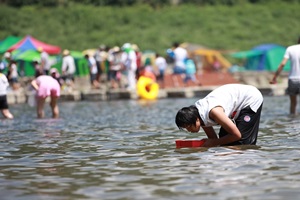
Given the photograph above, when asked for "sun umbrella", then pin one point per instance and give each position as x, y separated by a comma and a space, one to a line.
30, 43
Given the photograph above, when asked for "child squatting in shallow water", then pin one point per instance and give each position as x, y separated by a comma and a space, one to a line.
235, 107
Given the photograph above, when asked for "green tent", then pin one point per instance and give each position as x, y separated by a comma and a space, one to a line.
8, 42
263, 57
30, 55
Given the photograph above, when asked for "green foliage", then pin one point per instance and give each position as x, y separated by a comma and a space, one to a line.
79, 27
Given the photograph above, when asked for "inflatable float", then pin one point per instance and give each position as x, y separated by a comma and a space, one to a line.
189, 143
147, 88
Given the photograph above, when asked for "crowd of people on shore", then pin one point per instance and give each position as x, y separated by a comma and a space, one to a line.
118, 67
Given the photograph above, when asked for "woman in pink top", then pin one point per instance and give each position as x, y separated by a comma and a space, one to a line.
46, 86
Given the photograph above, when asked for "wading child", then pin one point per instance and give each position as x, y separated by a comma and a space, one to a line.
45, 86
3, 98
234, 107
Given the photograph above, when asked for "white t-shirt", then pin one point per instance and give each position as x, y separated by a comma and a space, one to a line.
129, 60
93, 65
180, 54
45, 60
293, 54
68, 64
161, 63
3, 84
14, 71
232, 98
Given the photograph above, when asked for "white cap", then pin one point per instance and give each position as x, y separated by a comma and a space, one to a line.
126, 46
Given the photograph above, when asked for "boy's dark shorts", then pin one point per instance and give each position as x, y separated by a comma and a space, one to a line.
293, 87
3, 102
248, 124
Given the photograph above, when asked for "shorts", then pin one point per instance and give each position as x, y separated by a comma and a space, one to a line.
3, 102
293, 87
68, 77
248, 124
45, 91
93, 77
178, 70
13, 80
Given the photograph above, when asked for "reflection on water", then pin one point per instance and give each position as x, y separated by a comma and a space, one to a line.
126, 150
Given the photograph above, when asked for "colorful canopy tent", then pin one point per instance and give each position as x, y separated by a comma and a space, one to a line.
263, 57
25, 62
30, 55
8, 42
207, 57
30, 43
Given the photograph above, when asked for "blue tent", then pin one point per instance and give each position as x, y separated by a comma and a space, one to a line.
263, 57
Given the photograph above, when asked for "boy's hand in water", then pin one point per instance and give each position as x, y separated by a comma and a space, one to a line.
209, 143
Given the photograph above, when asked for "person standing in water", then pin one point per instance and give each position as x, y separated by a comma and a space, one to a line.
3, 98
292, 53
45, 86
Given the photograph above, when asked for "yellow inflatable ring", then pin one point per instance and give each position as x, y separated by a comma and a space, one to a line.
147, 88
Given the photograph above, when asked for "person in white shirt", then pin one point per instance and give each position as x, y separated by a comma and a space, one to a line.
161, 64
3, 98
292, 53
234, 107
128, 60
68, 68
45, 62
13, 75
180, 54
92, 63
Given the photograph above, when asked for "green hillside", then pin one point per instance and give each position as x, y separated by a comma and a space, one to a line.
79, 27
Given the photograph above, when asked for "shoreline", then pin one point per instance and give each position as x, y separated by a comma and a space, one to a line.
84, 93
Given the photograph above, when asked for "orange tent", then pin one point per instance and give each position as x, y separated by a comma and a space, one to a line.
207, 57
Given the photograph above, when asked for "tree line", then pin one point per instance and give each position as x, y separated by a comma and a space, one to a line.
152, 3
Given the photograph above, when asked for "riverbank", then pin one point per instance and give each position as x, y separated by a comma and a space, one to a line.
173, 87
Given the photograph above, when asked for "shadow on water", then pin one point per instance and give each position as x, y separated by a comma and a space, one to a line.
126, 150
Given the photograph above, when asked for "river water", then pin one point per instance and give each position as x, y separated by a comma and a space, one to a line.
126, 150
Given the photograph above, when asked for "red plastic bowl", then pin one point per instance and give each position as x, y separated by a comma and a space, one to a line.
189, 143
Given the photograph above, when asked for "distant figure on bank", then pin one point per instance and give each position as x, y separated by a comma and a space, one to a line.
216, 64
115, 66
46, 86
161, 64
190, 73
13, 75
128, 59
45, 62
234, 107
3, 98
5, 61
292, 53
93, 71
180, 54
100, 57
68, 68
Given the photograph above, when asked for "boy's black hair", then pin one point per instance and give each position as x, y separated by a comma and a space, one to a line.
187, 116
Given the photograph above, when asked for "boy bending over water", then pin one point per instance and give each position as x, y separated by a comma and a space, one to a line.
235, 107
